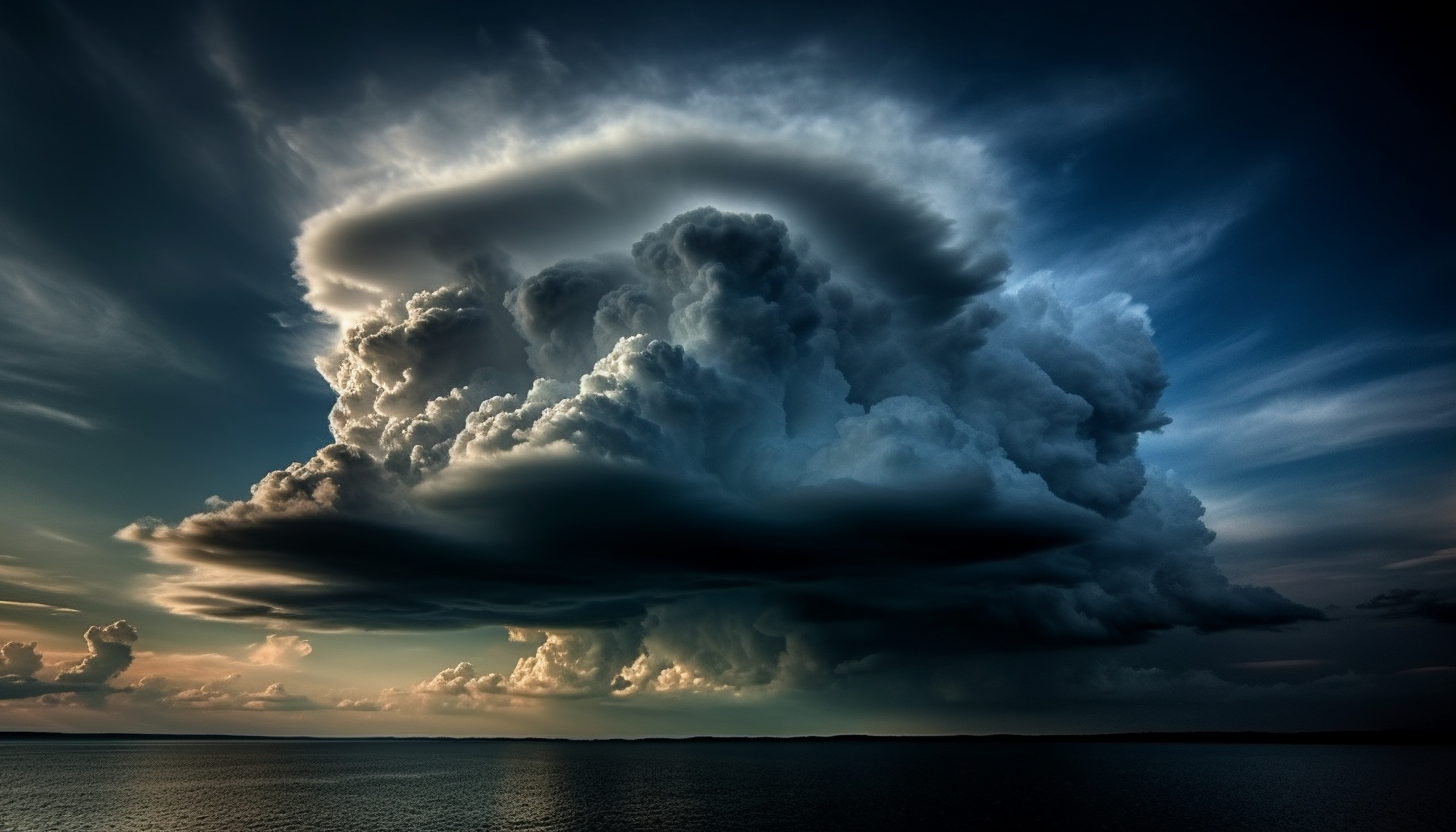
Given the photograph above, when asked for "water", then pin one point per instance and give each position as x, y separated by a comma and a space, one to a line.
356, 786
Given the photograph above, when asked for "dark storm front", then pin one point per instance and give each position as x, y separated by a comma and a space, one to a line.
168, 785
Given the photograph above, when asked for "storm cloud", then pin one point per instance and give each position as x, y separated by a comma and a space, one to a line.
727, 457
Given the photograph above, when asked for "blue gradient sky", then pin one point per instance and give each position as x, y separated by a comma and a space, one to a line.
1272, 188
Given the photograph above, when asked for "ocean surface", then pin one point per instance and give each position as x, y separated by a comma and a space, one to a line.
355, 786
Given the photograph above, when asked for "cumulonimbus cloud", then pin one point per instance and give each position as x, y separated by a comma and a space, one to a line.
722, 458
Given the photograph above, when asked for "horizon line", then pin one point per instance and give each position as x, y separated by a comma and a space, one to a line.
1437, 736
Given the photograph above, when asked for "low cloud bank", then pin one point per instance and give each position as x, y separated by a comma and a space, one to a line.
218, 695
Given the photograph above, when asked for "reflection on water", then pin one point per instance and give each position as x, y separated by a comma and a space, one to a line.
170, 786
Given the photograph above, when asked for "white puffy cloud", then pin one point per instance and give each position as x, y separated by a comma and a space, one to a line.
564, 664
279, 650
225, 694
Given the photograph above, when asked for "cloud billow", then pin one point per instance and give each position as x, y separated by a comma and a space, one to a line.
108, 653
717, 455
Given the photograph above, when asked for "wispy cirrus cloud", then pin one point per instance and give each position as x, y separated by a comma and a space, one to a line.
50, 414
15, 574
56, 327
36, 605
1442, 557
1253, 413
61, 335
1142, 257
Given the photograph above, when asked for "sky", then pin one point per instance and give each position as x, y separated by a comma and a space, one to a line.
584, 370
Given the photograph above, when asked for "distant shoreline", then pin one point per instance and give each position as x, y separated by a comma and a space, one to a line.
1429, 738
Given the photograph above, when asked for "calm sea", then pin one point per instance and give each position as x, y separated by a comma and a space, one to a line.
355, 786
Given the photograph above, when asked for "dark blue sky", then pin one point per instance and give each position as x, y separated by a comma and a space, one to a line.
1262, 196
